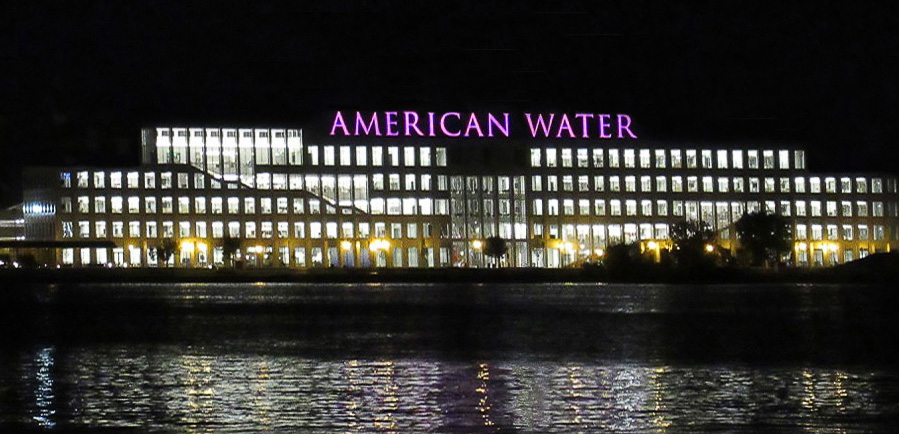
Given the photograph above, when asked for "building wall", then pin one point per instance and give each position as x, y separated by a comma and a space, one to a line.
426, 203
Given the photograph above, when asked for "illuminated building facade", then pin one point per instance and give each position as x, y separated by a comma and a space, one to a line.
409, 202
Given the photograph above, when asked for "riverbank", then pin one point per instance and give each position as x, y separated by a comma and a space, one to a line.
882, 268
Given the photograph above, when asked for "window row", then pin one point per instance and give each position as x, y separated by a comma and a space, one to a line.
665, 158
704, 184
250, 230
661, 207
252, 205
832, 232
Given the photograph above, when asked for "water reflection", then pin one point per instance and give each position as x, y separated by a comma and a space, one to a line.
207, 390
412, 358
43, 389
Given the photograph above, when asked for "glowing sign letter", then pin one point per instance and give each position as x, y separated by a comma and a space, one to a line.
473, 125
604, 124
543, 125
372, 125
412, 123
583, 117
502, 127
565, 124
391, 123
339, 123
624, 124
443, 124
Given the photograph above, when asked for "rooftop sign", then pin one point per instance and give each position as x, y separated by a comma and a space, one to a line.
456, 124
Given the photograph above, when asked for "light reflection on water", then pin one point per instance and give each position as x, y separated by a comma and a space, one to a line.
478, 358
205, 390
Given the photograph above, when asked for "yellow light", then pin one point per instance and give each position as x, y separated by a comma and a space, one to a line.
379, 244
652, 245
477, 244
187, 246
709, 248
346, 245
599, 252
258, 249
832, 247
202, 247
802, 246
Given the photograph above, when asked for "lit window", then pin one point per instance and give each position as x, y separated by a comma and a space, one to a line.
799, 159
783, 158
707, 159
722, 185
629, 159
597, 158
424, 154
582, 158
769, 159
722, 159
676, 158
99, 180
737, 159
613, 158
677, 184
814, 185
661, 185
550, 158
345, 156
566, 157
165, 180
753, 159
614, 183
691, 158
630, 184
393, 154
644, 159
409, 156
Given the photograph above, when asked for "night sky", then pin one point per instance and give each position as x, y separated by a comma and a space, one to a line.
79, 79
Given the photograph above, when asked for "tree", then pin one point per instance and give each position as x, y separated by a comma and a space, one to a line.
626, 260
690, 239
165, 249
496, 248
230, 246
765, 237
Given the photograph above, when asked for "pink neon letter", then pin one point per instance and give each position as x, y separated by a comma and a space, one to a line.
502, 127
624, 123
443, 124
473, 125
339, 123
603, 125
540, 124
390, 120
373, 124
565, 124
412, 123
583, 117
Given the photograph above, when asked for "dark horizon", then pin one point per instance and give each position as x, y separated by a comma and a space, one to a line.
79, 81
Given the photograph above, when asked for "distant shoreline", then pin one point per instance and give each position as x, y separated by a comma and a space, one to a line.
883, 270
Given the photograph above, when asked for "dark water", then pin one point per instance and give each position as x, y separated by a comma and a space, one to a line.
451, 358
